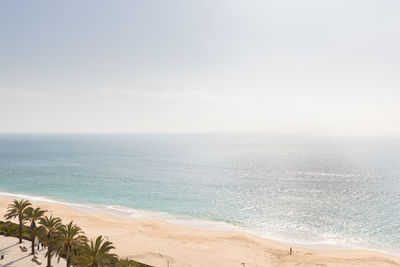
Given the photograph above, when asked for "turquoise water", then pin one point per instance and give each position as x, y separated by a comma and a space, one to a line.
337, 192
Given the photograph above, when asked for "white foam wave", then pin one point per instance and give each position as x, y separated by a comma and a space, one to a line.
40, 199
326, 241
125, 212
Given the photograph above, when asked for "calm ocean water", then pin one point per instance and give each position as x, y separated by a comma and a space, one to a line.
336, 192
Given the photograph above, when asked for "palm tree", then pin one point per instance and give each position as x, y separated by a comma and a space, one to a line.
50, 228
125, 263
33, 215
70, 239
96, 253
17, 209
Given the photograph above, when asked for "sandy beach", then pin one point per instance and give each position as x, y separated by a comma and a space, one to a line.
160, 243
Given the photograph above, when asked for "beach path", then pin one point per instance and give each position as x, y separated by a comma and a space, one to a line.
15, 257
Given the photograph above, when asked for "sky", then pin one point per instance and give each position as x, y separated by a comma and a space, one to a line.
282, 67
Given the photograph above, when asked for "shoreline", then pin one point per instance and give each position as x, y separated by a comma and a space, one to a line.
196, 223
157, 242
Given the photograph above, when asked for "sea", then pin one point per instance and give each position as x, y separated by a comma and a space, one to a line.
325, 192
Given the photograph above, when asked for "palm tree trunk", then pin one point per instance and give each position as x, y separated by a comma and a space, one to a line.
33, 237
68, 256
20, 231
33, 244
48, 256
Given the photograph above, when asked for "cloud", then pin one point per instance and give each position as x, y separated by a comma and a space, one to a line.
187, 93
14, 92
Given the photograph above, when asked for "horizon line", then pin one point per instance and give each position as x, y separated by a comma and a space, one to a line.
393, 135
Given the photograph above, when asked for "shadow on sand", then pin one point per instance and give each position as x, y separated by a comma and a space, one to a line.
1, 250
14, 261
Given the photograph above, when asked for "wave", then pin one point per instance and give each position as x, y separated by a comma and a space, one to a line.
328, 241
125, 212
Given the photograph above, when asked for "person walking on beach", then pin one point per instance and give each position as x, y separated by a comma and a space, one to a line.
290, 251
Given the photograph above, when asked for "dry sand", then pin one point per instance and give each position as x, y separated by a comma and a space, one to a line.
160, 243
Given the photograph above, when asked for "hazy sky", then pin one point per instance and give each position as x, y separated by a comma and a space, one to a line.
319, 67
